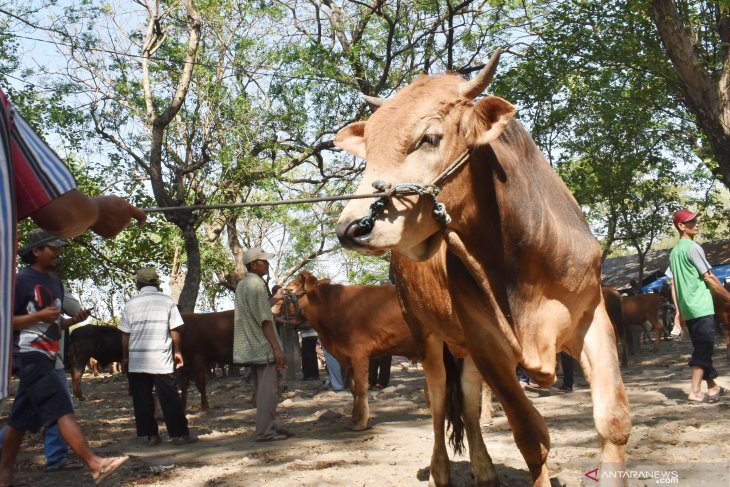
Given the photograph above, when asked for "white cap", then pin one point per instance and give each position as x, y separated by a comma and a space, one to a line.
256, 253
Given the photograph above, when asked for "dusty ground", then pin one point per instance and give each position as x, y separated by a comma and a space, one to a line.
687, 443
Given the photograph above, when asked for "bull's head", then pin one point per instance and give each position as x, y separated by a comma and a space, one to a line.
295, 294
412, 138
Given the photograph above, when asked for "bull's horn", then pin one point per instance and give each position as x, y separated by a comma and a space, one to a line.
373, 102
473, 88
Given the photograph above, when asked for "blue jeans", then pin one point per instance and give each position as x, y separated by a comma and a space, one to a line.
335, 373
54, 446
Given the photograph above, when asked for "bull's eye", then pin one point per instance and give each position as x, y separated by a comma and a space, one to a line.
430, 141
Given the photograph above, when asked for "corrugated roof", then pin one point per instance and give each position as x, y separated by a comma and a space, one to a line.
618, 272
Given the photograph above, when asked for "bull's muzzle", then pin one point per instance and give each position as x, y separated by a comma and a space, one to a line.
351, 234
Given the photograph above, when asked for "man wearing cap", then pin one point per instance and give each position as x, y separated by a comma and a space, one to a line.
256, 343
43, 398
150, 355
693, 285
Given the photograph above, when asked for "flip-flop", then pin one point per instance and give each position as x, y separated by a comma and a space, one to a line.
716, 396
276, 437
110, 466
705, 400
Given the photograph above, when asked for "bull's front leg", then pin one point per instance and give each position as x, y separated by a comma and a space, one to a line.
359, 389
610, 403
481, 463
435, 372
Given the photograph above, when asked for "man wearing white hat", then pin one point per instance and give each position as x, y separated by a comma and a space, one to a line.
256, 343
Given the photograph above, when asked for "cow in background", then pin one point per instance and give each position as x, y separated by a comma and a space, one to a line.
354, 323
513, 265
614, 308
114, 367
206, 338
357, 322
102, 343
645, 308
722, 315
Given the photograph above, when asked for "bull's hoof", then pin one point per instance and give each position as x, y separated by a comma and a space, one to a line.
81, 398
359, 427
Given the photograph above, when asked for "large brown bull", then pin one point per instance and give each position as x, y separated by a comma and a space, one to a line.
643, 308
513, 276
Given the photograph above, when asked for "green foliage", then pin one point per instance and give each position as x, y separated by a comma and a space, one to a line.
597, 89
273, 81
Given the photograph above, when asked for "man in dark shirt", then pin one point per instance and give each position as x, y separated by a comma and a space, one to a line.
42, 399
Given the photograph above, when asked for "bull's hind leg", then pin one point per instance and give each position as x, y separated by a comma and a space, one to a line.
610, 403
359, 388
481, 462
435, 372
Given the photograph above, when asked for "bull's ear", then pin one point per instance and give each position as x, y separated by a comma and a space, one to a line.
323, 281
309, 282
352, 139
485, 121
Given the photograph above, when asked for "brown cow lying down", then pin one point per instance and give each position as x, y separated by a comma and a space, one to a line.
645, 308
354, 323
206, 338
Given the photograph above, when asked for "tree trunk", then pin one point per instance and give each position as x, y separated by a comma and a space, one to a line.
704, 97
189, 293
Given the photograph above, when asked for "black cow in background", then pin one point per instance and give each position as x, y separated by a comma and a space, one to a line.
103, 343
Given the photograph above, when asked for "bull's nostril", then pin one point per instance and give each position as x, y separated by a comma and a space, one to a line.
347, 234
359, 228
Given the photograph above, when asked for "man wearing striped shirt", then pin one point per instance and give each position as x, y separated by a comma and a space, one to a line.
150, 354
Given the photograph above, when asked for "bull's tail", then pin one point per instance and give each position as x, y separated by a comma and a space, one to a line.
454, 401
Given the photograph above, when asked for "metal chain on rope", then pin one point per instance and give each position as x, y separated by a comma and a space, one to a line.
290, 297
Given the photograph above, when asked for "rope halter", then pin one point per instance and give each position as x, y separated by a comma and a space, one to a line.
388, 191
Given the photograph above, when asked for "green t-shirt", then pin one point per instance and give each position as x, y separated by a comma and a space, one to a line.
688, 264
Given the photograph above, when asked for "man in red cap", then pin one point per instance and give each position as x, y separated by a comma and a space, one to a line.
693, 285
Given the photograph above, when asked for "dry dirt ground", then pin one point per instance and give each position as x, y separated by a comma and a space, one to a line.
675, 442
